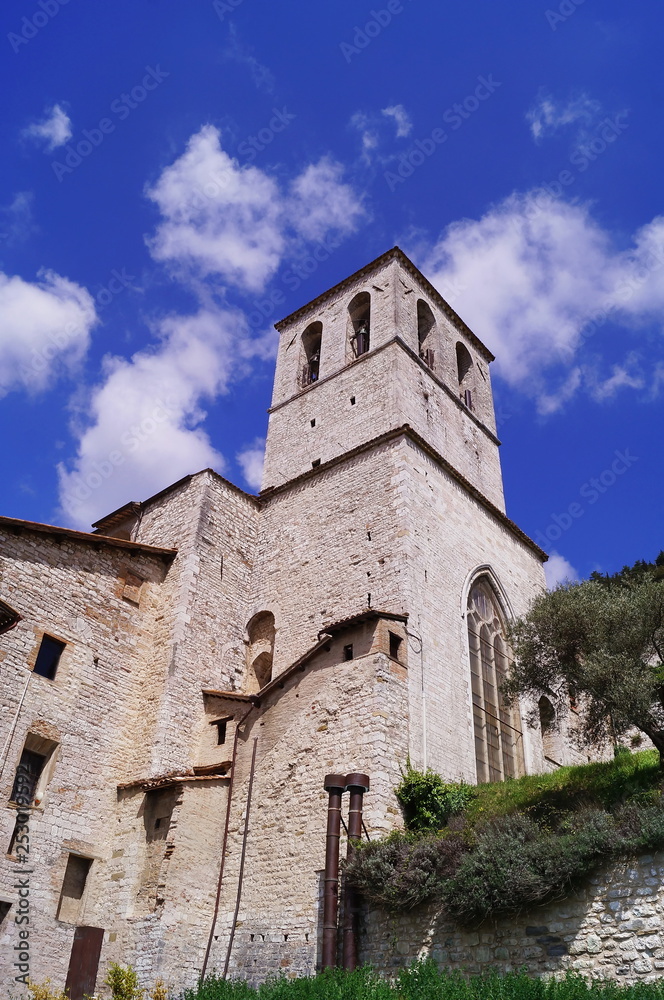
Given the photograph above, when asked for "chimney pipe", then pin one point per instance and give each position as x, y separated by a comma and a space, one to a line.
357, 785
335, 785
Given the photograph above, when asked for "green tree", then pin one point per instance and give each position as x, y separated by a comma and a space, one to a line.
601, 640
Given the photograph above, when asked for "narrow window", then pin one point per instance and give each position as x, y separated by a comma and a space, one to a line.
497, 727
48, 657
311, 344
348, 651
352, 400
465, 374
359, 315
27, 776
221, 725
395, 645
426, 325
315, 463
260, 651
5, 907
313, 422
73, 887
549, 729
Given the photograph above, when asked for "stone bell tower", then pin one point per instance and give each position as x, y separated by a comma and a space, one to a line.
382, 489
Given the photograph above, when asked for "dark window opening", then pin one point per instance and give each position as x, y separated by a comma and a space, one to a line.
359, 312
348, 651
313, 422
465, 374
352, 400
311, 342
426, 325
73, 887
5, 907
315, 463
48, 657
221, 725
395, 645
28, 774
8, 617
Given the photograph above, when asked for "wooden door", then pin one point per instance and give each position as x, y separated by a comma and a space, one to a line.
84, 962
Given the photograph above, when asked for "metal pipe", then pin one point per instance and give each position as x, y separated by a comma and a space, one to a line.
335, 785
242, 858
357, 785
225, 839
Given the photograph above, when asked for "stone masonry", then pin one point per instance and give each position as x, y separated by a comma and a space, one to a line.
212, 643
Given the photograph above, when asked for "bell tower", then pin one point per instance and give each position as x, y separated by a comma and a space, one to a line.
379, 351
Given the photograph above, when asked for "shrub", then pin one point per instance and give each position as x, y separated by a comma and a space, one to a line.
427, 801
123, 983
404, 870
43, 991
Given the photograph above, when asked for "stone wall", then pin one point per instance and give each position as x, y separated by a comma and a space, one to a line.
610, 927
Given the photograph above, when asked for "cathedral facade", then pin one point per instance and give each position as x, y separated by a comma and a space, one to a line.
178, 682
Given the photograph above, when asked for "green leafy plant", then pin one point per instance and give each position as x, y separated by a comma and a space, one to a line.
123, 983
427, 801
43, 991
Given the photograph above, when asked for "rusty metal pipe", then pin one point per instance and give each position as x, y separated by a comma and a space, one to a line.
334, 785
357, 785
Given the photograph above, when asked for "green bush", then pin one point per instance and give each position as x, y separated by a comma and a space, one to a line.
123, 983
424, 981
518, 843
427, 801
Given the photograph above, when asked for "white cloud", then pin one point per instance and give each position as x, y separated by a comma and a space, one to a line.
231, 224
219, 217
234, 221
54, 130
145, 417
535, 277
401, 119
16, 218
320, 202
559, 570
251, 461
548, 116
44, 329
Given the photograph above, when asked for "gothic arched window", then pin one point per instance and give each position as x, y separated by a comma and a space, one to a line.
498, 736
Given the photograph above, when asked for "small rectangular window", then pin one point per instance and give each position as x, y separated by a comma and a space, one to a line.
348, 652
73, 887
221, 732
48, 657
395, 645
313, 422
352, 400
5, 907
27, 775
315, 463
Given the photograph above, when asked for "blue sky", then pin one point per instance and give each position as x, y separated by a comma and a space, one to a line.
175, 178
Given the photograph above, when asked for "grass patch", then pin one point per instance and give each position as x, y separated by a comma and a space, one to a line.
424, 981
630, 776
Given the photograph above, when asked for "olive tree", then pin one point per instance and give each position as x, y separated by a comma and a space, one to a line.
603, 641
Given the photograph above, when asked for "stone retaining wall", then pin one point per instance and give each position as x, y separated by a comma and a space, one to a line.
609, 928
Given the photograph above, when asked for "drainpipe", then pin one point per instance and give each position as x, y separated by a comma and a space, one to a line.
225, 839
357, 785
335, 785
242, 858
